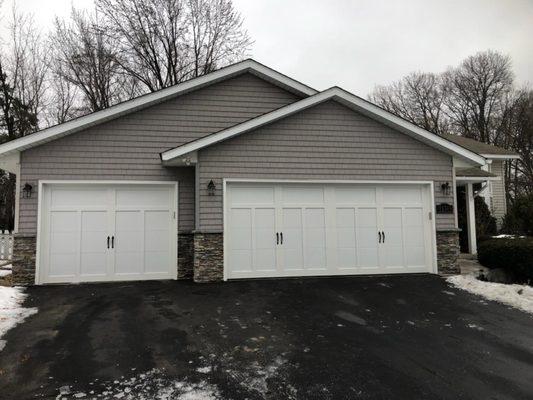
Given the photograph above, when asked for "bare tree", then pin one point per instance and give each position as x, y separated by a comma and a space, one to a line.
86, 57
164, 42
479, 95
28, 62
65, 99
418, 97
217, 34
519, 173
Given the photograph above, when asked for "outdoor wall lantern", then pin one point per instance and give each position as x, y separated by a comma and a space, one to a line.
211, 188
26, 191
445, 187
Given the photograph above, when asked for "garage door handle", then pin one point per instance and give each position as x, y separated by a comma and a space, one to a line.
281, 234
379, 237
112, 242
277, 238
383, 233
108, 242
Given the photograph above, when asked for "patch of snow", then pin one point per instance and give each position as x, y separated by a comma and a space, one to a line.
474, 326
4, 272
151, 385
507, 237
517, 296
204, 370
11, 312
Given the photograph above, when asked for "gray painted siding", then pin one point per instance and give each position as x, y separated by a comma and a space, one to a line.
498, 203
128, 148
328, 141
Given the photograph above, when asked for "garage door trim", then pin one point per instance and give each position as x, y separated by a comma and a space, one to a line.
429, 184
43, 183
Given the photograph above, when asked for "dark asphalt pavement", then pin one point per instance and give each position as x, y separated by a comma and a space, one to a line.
394, 337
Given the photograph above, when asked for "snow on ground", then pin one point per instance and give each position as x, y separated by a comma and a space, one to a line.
11, 312
507, 237
151, 385
5, 270
518, 296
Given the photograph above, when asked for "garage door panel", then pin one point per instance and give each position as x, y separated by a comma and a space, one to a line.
265, 260
355, 195
292, 238
93, 263
143, 198
402, 194
157, 231
78, 219
63, 264
346, 257
129, 262
241, 260
415, 256
78, 197
303, 194
368, 257
332, 229
156, 261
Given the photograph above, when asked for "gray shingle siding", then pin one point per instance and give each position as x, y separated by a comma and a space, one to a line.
326, 142
498, 206
128, 148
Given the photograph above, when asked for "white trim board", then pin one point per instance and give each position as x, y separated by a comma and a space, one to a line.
345, 98
501, 156
150, 99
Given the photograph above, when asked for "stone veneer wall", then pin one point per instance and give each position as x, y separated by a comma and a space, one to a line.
24, 249
448, 251
208, 257
185, 255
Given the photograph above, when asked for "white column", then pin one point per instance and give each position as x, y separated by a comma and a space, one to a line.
471, 219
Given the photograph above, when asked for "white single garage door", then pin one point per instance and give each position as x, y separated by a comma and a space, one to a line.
107, 232
275, 230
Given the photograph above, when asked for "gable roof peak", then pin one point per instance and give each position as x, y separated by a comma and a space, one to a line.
150, 99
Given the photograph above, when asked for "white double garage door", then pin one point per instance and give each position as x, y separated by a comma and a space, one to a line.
107, 232
284, 229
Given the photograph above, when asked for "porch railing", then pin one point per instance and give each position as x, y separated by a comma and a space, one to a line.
6, 245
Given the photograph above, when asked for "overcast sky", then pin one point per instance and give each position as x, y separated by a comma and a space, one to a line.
357, 44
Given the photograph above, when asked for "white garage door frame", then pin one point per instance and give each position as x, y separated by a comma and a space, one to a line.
428, 184
42, 183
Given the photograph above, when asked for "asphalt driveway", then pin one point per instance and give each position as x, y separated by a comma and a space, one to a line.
399, 337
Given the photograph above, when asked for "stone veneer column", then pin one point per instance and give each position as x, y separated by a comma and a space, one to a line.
24, 249
448, 251
208, 257
185, 255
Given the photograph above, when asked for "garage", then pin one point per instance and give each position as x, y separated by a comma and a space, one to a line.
113, 231
306, 229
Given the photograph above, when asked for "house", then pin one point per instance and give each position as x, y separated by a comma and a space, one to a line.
241, 173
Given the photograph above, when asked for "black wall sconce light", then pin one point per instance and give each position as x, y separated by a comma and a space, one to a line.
445, 188
26, 191
211, 188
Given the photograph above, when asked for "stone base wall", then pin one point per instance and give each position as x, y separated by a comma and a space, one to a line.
448, 252
208, 257
185, 255
24, 249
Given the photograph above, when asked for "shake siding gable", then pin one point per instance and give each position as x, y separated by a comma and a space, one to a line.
326, 142
128, 148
